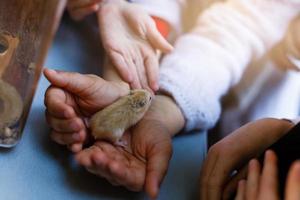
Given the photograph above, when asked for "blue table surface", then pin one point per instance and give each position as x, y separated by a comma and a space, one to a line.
39, 169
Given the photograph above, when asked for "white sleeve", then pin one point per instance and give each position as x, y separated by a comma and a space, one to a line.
208, 61
296, 121
286, 55
169, 10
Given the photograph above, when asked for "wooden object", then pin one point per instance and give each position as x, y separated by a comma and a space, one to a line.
26, 31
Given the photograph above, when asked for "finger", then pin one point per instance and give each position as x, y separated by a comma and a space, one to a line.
231, 187
152, 70
84, 158
135, 84
156, 39
157, 166
121, 175
269, 181
214, 176
292, 190
109, 169
206, 170
56, 103
65, 125
100, 163
118, 61
253, 177
127, 175
66, 138
78, 14
241, 190
98, 160
75, 147
140, 68
73, 82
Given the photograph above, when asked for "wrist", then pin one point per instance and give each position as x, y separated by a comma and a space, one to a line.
164, 110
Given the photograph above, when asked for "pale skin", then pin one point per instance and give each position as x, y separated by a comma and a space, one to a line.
234, 152
261, 183
130, 38
143, 164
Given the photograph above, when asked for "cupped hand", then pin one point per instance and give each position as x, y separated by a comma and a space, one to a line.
143, 163
73, 97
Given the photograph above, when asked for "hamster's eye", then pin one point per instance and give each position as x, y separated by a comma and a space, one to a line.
141, 104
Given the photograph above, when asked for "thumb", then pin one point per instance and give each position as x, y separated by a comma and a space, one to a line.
156, 39
72, 82
157, 167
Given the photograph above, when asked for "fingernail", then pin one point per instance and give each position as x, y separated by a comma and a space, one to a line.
130, 78
297, 169
76, 147
155, 87
96, 7
268, 154
52, 71
253, 163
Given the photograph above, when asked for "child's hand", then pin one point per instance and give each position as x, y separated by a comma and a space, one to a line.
130, 37
263, 184
234, 152
71, 98
79, 9
145, 161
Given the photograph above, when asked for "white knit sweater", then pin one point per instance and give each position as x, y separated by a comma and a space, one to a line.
210, 59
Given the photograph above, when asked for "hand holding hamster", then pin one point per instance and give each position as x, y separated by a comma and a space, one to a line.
71, 99
144, 162
111, 122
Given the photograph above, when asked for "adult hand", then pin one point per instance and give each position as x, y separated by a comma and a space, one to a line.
144, 163
71, 98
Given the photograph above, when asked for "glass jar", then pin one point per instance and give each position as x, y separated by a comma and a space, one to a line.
26, 31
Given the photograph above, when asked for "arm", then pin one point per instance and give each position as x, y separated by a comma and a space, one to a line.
211, 58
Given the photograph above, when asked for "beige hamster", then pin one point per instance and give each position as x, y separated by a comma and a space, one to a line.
111, 122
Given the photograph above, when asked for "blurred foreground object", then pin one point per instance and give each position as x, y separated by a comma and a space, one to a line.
26, 31
287, 53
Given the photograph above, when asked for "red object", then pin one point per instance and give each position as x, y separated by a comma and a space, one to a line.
162, 26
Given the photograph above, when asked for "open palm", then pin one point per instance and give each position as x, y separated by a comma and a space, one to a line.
142, 164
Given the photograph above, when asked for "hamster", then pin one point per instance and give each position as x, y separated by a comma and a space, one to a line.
110, 123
